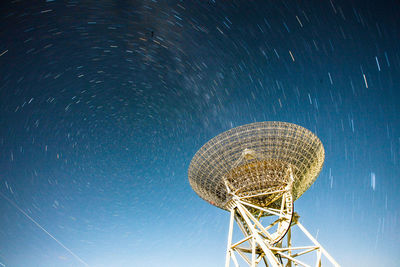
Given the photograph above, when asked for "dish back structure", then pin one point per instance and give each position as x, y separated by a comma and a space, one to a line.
253, 158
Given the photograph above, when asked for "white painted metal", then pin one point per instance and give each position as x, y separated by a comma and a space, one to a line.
259, 241
256, 171
253, 158
326, 254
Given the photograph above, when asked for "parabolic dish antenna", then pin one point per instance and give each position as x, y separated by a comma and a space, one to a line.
256, 171
256, 157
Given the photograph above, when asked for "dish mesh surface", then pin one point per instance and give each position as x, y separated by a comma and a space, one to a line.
256, 158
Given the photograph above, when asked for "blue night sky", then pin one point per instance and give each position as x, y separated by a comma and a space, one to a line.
104, 103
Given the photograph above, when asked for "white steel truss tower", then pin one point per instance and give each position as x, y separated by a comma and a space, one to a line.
260, 243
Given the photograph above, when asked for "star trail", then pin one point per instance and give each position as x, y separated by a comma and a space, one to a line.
104, 103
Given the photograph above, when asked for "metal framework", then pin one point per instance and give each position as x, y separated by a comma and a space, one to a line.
280, 141
256, 172
262, 243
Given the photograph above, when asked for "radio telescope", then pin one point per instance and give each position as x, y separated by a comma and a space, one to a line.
256, 172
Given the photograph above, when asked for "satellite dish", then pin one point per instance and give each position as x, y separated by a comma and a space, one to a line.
256, 157
255, 171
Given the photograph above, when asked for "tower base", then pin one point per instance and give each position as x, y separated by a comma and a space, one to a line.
262, 244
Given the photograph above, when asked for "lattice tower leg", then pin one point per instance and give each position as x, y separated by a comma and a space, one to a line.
259, 246
256, 236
